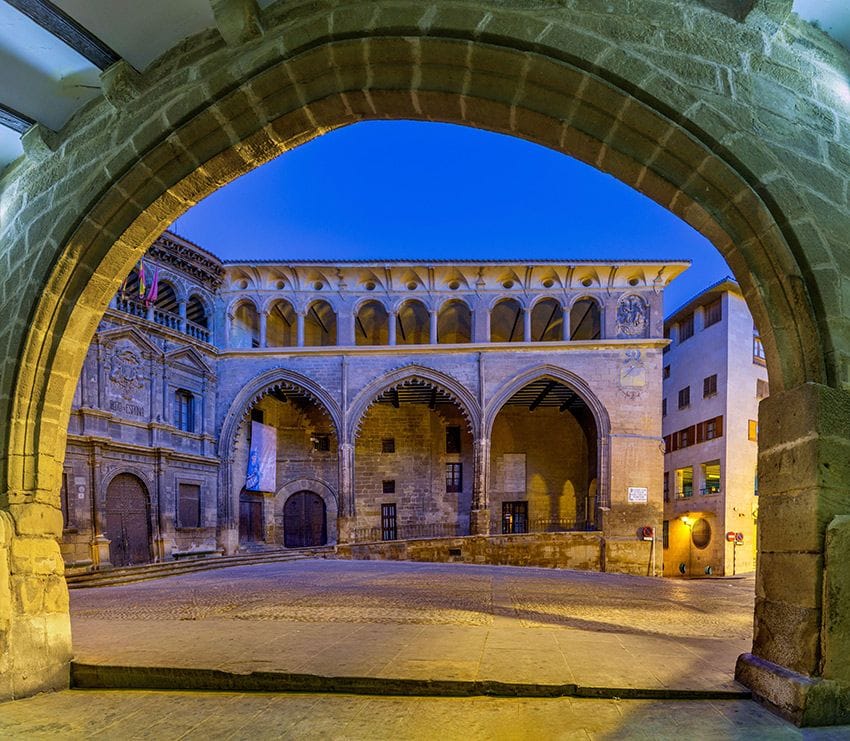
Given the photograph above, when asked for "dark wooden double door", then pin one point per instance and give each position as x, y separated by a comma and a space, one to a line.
305, 521
251, 518
128, 521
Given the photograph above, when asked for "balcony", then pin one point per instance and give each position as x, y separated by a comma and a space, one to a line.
163, 318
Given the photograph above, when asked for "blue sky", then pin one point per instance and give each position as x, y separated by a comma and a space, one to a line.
408, 190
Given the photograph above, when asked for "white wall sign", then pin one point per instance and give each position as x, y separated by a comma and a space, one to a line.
638, 495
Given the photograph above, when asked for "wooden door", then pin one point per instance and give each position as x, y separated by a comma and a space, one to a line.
251, 518
128, 521
304, 521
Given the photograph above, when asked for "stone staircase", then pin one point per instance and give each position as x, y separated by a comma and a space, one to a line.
128, 574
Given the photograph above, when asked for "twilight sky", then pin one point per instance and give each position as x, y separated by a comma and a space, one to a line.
408, 190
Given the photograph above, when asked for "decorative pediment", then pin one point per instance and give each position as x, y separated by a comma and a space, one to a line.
189, 357
114, 337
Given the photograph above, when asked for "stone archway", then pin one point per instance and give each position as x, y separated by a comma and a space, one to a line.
736, 160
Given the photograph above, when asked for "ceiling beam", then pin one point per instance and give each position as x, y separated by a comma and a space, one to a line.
12, 119
394, 398
541, 396
567, 404
63, 27
432, 404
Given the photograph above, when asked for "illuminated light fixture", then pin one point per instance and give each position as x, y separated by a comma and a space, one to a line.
688, 521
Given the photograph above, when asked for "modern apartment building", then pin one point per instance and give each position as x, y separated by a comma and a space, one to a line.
714, 376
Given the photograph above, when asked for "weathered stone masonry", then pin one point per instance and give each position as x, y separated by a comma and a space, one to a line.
737, 124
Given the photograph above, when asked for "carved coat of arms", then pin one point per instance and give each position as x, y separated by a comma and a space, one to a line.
126, 372
632, 316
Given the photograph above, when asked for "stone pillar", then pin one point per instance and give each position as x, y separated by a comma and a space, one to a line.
526, 324
228, 329
798, 664
299, 331
565, 324
181, 311
392, 318
479, 518
432, 337
264, 319
345, 521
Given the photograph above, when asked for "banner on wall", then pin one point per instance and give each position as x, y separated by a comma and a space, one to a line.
262, 458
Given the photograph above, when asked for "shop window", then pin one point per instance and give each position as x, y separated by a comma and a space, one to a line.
701, 533
686, 328
388, 486
388, 445
711, 478
713, 313
321, 443
685, 397
709, 386
454, 478
452, 439
514, 517
389, 524
189, 505
752, 430
184, 410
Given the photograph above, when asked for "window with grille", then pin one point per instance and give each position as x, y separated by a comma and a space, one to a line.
453, 439
684, 397
388, 486
388, 445
389, 526
762, 389
709, 386
713, 313
189, 505
321, 443
184, 410
686, 328
514, 517
454, 477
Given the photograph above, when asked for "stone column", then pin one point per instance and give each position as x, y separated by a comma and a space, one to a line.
299, 328
345, 515
479, 518
799, 664
264, 319
181, 311
392, 318
565, 324
432, 338
526, 324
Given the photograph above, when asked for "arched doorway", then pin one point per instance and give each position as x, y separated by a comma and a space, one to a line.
127, 515
305, 520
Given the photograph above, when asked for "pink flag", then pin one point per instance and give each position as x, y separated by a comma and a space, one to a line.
153, 292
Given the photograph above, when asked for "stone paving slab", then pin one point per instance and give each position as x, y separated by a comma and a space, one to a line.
425, 621
210, 716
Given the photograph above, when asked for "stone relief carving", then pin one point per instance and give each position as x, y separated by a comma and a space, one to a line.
632, 316
126, 373
632, 374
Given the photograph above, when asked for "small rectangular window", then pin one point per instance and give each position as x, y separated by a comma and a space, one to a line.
388, 486
666, 372
683, 438
713, 313
452, 439
454, 478
752, 430
184, 410
389, 523
664, 407
684, 482
388, 445
514, 517
758, 348
189, 505
685, 397
665, 534
711, 478
709, 386
686, 328
666, 486
321, 443
762, 389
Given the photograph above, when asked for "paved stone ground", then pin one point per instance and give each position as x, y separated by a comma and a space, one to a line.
209, 716
425, 621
